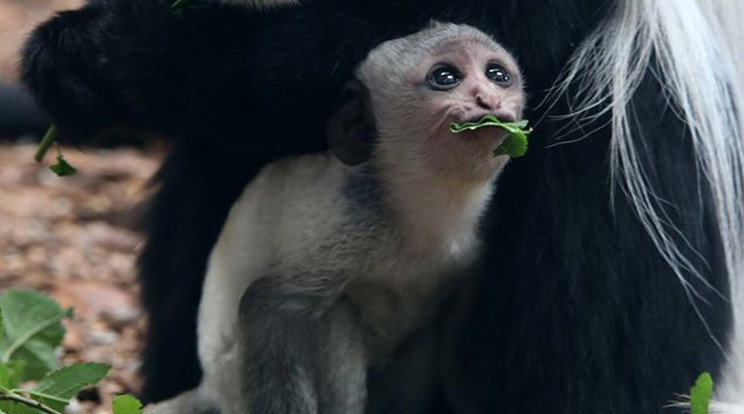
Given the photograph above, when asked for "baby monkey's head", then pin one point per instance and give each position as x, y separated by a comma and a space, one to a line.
410, 90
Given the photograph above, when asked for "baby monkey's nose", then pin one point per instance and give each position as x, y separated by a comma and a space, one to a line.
488, 99
486, 102
482, 102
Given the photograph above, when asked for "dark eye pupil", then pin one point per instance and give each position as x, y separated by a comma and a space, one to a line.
498, 74
444, 77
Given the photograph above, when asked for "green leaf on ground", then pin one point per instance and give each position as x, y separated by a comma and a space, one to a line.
125, 404
17, 408
700, 394
11, 373
7, 377
58, 387
62, 168
32, 330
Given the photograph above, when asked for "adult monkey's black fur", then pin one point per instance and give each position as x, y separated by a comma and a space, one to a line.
575, 312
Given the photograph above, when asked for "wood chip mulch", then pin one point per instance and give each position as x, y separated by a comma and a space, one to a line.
74, 238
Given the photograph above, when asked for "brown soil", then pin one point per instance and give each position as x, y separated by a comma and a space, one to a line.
74, 239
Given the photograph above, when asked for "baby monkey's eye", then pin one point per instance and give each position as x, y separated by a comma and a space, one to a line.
443, 77
498, 74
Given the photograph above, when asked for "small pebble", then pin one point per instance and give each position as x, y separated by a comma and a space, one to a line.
102, 337
74, 407
119, 318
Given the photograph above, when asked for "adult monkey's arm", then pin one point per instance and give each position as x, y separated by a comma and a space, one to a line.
133, 64
203, 70
210, 69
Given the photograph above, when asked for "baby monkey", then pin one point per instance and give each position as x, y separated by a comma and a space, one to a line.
328, 261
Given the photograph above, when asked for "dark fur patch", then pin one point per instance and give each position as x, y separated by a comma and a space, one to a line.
280, 339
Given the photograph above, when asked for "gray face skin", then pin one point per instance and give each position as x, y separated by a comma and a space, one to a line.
461, 80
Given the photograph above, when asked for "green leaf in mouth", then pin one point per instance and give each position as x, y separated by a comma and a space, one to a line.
515, 145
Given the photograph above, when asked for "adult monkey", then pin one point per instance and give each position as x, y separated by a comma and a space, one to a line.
615, 274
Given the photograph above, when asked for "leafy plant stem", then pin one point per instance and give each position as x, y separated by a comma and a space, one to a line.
14, 397
50, 137
41, 395
30, 334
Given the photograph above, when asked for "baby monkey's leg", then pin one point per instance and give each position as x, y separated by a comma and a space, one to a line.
343, 378
302, 353
195, 401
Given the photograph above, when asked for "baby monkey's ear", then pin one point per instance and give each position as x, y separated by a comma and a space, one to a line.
351, 129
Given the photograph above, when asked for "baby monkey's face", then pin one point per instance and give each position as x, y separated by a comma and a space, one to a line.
464, 80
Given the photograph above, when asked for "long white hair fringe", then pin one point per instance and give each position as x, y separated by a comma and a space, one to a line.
697, 47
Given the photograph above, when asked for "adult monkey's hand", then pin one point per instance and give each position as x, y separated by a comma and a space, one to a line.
122, 64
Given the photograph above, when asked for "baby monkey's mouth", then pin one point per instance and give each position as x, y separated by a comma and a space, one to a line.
515, 143
475, 119
478, 116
